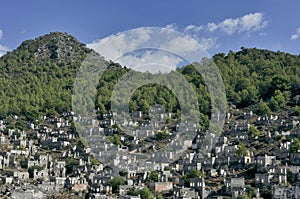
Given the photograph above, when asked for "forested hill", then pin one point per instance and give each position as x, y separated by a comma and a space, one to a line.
252, 75
37, 78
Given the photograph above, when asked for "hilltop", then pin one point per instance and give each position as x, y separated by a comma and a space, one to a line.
37, 78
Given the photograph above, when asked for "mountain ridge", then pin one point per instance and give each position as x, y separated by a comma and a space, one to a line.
59, 46
38, 77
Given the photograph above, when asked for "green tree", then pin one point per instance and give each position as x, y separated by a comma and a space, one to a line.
248, 193
273, 104
241, 150
153, 176
280, 82
115, 183
145, 193
253, 131
123, 173
279, 97
263, 108
133, 192
70, 164
115, 139
95, 162
193, 174
295, 145
159, 196
82, 143
161, 135
52, 113
277, 101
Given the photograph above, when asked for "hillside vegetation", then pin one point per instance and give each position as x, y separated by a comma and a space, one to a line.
38, 77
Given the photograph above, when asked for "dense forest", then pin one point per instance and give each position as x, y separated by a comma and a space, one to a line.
38, 77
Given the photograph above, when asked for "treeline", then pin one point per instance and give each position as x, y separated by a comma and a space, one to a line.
33, 85
253, 76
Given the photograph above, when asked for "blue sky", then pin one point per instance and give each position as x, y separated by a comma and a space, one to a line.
219, 26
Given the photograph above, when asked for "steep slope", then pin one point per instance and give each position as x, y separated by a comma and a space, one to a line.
57, 46
38, 75
254, 74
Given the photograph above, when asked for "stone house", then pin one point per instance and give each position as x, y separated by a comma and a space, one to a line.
188, 167
98, 188
43, 159
59, 169
137, 114
295, 158
21, 175
161, 186
235, 186
60, 181
187, 127
280, 192
107, 122
229, 151
7, 160
263, 162
43, 174
185, 193
248, 115
29, 163
199, 185
123, 189
263, 180
100, 179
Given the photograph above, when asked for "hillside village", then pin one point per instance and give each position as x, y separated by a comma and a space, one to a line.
48, 151
256, 156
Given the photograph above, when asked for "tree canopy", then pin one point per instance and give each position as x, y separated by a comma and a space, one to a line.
38, 78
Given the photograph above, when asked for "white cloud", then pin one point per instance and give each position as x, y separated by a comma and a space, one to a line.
229, 26
296, 35
151, 60
161, 47
252, 22
248, 23
208, 43
192, 28
171, 26
3, 49
180, 45
114, 46
117, 46
196, 33
211, 27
